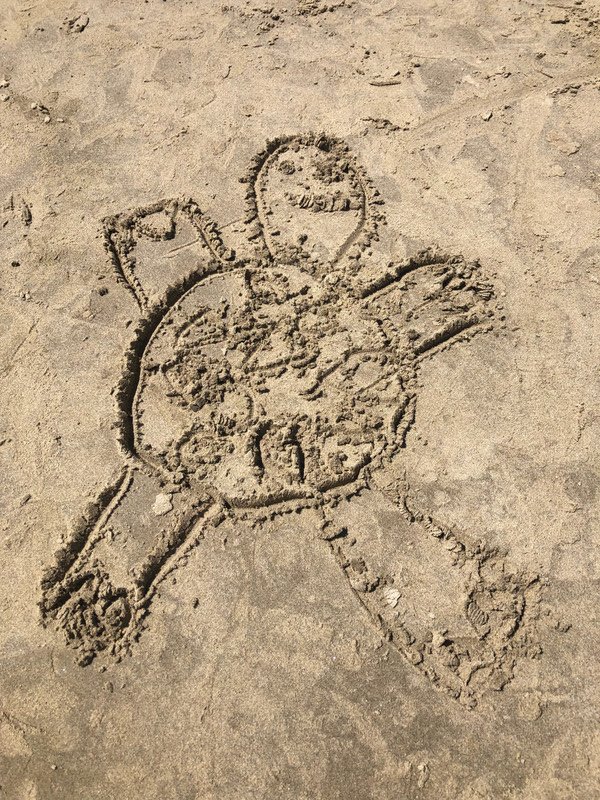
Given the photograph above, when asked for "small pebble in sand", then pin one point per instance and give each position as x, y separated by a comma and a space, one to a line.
392, 596
162, 504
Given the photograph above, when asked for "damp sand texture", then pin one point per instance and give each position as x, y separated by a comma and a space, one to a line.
299, 400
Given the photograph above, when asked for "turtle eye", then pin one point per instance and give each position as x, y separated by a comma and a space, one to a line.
287, 167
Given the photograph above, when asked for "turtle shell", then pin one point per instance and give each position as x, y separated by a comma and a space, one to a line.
265, 386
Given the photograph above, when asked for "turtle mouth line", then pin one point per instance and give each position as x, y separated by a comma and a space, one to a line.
323, 201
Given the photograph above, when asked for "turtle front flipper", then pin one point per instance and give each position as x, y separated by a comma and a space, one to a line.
104, 580
156, 248
451, 607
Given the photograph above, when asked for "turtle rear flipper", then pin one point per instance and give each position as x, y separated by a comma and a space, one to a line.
451, 607
104, 580
93, 614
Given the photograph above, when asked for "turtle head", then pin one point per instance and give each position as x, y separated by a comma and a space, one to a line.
310, 204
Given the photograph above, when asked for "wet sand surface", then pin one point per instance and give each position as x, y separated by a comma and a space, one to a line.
299, 399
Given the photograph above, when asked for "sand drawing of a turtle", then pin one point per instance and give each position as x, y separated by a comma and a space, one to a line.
286, 381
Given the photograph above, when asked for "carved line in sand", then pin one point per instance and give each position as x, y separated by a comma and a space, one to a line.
316, 7
285, 382
502, 608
